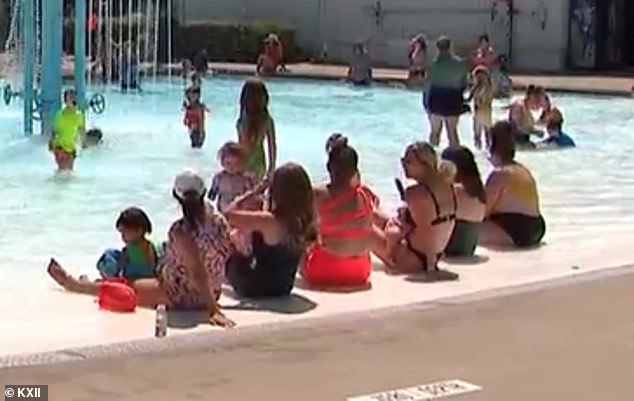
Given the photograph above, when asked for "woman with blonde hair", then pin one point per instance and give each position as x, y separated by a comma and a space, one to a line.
414, 241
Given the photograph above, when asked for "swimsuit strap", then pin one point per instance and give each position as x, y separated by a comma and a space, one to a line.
338, 200
331, 226
439, 217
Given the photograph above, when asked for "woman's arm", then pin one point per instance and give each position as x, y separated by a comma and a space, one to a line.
493, 189
272, 147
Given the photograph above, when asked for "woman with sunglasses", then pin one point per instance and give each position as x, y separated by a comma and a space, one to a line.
415, 240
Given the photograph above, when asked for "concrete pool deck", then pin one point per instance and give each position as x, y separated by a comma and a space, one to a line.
570, 343
589, 84
51, 325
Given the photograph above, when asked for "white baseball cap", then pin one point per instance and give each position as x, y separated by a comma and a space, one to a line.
189, 181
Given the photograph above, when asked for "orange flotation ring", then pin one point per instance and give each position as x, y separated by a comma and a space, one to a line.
116, 295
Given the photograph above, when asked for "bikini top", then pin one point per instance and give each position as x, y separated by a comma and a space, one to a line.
334, 225
440, 218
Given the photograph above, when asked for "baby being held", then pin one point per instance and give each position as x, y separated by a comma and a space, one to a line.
234, 180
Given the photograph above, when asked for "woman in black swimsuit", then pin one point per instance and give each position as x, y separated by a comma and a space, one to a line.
279, 235
414, 241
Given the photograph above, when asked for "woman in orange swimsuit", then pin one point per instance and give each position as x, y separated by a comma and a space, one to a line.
345, 209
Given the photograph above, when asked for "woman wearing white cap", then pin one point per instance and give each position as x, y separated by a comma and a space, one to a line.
190, 273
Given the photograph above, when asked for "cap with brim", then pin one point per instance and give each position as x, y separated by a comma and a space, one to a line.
189, 182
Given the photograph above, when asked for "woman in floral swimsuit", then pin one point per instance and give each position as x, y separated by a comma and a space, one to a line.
191, 271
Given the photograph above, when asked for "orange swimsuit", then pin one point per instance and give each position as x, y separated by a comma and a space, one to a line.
325, 268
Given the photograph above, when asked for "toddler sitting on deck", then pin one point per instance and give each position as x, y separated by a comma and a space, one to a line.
139, 257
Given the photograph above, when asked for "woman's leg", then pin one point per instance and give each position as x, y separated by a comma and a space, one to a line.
477, 131
451, 124
379, 247
436, 123
493, 235
149, 292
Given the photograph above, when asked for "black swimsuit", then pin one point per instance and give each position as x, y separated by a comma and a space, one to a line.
268, 272
440, 219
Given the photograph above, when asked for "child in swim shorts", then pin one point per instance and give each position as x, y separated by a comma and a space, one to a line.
194, 118
68, 128
482, 95
139, 258
234, 180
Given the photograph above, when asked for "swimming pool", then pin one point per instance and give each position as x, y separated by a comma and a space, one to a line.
585, 192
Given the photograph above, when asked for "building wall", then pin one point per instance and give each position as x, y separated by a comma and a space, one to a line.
540, 28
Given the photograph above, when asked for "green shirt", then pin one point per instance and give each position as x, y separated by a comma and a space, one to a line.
448, 71
67, 127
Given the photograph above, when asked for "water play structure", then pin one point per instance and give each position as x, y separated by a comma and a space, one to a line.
114, 42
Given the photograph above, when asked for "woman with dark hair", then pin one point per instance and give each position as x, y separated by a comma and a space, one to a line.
512, 213
190, 273
345, 210
279, 234
471, 202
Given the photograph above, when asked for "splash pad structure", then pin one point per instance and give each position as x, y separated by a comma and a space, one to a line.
112, 40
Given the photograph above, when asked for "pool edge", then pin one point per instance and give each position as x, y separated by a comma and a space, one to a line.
218, 338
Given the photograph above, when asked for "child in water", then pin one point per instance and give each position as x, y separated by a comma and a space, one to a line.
233, 180
139, 257
92, 138
482, 95
255, 126
555, 137
68, 127
194, 118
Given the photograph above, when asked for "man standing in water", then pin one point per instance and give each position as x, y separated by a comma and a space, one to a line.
68, 127
447, 81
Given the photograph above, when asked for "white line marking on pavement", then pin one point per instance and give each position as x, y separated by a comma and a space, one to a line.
422, 392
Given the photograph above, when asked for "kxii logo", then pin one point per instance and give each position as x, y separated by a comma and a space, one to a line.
15, 392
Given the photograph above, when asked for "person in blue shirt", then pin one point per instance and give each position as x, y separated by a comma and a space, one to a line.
555, 137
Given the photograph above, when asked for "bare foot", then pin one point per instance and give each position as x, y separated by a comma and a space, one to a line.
57, 272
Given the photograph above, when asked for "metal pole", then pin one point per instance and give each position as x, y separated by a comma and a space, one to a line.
169, 42
156, 37
28, 15
121, 54
80, 53
91, 36
52, 34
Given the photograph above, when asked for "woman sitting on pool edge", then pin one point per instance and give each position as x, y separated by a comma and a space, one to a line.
279, 235
341, 259
471, 202
512, 217
415, 241
190, 273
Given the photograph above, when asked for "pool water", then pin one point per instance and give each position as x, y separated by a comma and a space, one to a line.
585, 192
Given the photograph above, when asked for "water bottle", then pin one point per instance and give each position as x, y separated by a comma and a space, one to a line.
160, 326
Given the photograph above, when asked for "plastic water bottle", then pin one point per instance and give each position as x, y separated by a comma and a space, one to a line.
160, 325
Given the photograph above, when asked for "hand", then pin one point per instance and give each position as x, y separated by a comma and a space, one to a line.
219, 319
261, 187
